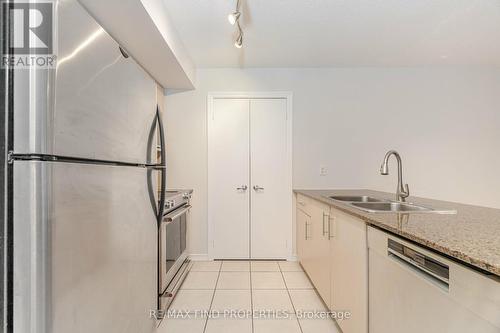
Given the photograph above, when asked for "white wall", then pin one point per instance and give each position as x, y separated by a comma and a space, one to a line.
445, 122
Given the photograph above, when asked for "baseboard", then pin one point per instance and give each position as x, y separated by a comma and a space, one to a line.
204, 257
199, 257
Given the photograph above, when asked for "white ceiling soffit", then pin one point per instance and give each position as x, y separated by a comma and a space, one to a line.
144, 29
340, 33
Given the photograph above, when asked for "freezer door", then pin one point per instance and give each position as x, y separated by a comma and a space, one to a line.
97, 104
85, 248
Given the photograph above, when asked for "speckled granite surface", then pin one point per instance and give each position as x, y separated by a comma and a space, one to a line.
471, 236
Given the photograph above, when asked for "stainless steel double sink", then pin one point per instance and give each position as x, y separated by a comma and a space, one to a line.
376, 205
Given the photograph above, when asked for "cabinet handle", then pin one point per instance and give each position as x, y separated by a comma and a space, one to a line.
306, 233
242, 188
325, 231
331, 220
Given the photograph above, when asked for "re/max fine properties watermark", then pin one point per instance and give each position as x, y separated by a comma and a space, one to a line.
31, 34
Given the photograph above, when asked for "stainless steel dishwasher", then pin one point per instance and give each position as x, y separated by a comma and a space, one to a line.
413, 290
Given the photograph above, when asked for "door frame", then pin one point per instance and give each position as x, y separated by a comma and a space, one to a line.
211, 192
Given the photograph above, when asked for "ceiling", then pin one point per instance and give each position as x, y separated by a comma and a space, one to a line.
340, 33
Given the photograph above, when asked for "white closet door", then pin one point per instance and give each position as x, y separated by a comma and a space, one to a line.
270, 224
228, 171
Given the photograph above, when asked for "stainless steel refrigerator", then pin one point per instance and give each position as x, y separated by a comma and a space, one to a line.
81, 169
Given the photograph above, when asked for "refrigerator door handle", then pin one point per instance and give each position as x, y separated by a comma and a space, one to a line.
162, 165
155, 166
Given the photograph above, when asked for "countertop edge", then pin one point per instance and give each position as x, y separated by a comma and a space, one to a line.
458, 256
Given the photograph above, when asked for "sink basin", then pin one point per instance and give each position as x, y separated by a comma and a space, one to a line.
356, 198
374, 207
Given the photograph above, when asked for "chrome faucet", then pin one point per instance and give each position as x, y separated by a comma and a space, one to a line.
402, 192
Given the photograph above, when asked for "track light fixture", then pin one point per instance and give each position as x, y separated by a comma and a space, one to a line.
234, 18
239, 41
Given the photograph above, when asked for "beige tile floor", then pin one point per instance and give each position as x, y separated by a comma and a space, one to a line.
276, 288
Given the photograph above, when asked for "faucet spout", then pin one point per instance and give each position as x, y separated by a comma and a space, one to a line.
402, 192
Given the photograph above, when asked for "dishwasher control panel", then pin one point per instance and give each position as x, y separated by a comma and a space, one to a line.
420, 261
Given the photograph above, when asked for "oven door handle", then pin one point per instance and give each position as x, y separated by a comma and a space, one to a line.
170, 218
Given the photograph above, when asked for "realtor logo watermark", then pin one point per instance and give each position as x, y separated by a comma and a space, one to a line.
31, 32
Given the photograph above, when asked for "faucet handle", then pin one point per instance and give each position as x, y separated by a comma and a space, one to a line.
407, 191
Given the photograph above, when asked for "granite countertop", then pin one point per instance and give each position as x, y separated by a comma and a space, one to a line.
472, 235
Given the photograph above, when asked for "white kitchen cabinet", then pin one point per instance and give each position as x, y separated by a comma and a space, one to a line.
304, 240
304, 203
349, 270
320, 249
335, 257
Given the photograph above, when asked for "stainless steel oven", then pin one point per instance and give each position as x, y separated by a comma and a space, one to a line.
172, 256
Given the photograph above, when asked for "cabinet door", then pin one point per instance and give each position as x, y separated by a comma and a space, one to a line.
349, 271
303, 238
320, 248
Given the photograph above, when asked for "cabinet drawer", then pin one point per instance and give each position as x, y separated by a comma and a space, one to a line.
304, 204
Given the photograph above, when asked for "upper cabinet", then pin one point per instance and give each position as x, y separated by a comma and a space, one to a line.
144, 30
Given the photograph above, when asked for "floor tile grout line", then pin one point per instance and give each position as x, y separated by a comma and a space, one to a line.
212, 301
319, 296
291, 301
220, 270
251, 297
